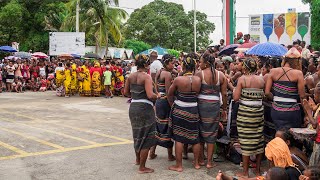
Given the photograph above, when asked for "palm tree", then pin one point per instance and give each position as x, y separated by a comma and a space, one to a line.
97, 17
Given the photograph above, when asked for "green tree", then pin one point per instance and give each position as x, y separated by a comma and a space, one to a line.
136, 46
11, 18
166, 24
315, 19
97, 19
174, 52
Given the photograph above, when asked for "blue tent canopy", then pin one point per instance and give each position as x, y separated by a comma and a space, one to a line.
7, 49
161, 51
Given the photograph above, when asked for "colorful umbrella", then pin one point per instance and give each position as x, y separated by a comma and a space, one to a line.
23, 55
7, 49
92, 55
65, 56
77, 56
40, 55
267, 49
245, 46
228, 50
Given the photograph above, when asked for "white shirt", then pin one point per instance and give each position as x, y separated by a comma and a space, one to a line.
59, 69
42, 71
155, 66
133, 69
10, 69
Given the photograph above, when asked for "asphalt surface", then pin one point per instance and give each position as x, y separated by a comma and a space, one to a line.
43, 136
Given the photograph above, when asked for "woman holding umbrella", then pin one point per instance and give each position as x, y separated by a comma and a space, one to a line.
286, 85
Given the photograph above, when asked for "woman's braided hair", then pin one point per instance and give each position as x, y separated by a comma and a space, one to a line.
141, 60
210, 59
190, 61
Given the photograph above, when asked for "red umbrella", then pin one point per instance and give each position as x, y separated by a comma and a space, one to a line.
65, 56
40, 55
245, 46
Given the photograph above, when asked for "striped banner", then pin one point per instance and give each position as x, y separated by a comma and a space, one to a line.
228, 21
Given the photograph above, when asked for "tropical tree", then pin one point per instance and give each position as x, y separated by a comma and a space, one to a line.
167, 24
315, 19
97, 19
136, 46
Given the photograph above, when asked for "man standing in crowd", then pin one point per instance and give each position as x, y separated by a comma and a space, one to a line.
156, 65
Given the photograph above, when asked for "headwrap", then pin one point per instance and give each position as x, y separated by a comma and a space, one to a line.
240, 34
227, 58
293, 53
141, 56
250, 64
96, 64
278, 152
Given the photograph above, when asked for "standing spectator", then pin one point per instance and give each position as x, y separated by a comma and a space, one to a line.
221, 44
10, 76
107, 75
156, 65
17, 66
287, 85
42, 69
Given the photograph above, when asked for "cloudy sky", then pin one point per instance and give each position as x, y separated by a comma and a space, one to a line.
213, 8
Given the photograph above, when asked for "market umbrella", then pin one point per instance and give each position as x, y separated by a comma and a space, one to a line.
23, 55
76, 56
267, 49
245, 47
228, 50
7, 49
92, 55
40, 55
65, 56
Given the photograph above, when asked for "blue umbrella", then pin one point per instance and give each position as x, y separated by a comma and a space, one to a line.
228, 50
267, 49
76, 56
161, 51
7, 49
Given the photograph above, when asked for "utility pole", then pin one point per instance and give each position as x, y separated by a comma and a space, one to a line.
77, 15
195, 25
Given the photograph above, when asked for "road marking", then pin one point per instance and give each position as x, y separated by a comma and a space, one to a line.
62, 150
71, 127
14, 149
52, 132
32, 138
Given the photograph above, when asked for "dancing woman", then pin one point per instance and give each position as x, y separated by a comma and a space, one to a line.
184, 114
213, 83
141, 113
163, 81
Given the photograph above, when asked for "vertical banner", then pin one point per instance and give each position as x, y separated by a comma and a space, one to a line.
291, 24
279, 23
267, 25
255, 28
228, 20
303, 24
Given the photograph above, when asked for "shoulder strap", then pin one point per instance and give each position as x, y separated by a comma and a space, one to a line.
284, 73
191, 82
218, 82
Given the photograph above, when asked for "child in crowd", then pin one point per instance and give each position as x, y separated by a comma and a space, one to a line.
107, 75
310, 106
33, 85
17, 85
43, 83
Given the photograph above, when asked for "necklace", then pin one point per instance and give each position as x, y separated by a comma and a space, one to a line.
188, 74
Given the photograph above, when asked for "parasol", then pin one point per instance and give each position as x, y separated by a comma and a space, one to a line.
92, 55
65, 56
228, 50
245, 47
7, 49
23, 55
267, 49
40, 55
76, 56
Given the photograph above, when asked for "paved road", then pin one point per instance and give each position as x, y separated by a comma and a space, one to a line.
46, 137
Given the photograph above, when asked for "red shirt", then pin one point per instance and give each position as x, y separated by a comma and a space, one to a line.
93, 69
318, 131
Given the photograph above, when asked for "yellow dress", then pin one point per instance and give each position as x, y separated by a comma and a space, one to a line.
86, 84
74, 80
60, 76
96, 83
67, 82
